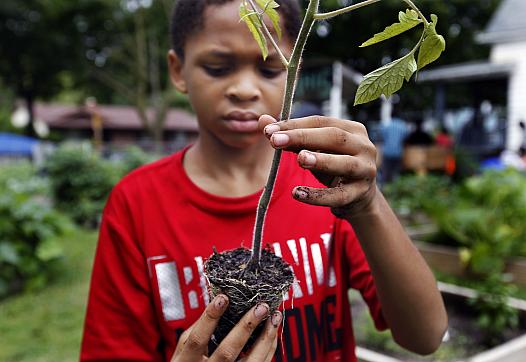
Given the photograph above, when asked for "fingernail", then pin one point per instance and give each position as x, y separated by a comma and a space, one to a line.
261, 310
220, 302
276, 319
271, 128
308, 159
301, 194
280, 139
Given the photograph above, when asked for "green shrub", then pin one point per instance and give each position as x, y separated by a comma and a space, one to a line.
413, 193
81, 182
133, 158
485, 219
28, 230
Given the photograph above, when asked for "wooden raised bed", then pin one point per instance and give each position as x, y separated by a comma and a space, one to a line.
513, 350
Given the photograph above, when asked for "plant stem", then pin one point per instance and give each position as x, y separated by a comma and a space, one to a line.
331, 14
293, 67
269, 35
413, 6
292, 76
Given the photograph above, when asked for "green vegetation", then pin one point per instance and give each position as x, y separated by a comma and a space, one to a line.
483, 217
46, 325
29, 227
81, 182
460, 346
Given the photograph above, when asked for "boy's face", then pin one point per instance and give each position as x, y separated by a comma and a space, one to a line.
228, 83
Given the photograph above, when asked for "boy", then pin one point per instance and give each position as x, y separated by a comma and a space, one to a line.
148, 298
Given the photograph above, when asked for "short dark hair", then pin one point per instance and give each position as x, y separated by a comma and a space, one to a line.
187, 19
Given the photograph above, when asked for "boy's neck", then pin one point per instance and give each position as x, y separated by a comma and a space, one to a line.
228, 171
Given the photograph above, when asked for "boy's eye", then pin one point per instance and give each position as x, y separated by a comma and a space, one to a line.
216, 71
271, 72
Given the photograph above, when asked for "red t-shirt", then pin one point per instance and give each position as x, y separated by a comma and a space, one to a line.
157, 229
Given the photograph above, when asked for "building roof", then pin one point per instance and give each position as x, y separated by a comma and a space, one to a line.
113, 117
466, 72
508, 24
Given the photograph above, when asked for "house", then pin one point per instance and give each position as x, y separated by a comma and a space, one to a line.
502, 76
120, 125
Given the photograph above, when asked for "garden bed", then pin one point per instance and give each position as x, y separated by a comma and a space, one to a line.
464, 336
446, 259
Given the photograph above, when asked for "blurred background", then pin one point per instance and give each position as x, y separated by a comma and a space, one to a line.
85, 98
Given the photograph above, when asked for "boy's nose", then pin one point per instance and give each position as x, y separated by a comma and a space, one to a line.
243, 88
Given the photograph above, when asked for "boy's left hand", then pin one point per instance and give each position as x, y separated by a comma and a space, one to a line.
340, 155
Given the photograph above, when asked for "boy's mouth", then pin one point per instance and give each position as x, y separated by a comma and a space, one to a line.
242, 121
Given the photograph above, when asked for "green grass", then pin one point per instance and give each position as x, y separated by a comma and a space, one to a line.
46, 325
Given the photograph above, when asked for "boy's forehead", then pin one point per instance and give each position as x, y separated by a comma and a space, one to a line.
225, 17
222, 29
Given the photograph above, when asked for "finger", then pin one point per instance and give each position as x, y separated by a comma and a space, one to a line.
199, 336
265, 120
272, 351
267, 342
337, 165
310, 122
232, 345
330, 139
337, 196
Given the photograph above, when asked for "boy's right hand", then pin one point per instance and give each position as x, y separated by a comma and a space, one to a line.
193, 344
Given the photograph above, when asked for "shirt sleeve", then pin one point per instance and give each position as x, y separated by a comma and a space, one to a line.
120, 321
359, 275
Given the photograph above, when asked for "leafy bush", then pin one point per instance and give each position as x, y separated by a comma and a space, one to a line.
81, 182
485, 218
133, 158
28, 230
410, 194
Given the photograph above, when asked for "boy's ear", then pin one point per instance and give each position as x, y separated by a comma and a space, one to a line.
175, 67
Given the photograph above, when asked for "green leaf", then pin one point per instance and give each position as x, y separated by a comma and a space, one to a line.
269, 8
407, 20
432, 46
49, 249
386, 80
254, 25
8, 253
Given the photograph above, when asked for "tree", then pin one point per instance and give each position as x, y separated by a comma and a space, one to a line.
129, 56
40, 41
459, 21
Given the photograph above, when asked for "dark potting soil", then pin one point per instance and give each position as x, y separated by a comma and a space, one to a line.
227, 273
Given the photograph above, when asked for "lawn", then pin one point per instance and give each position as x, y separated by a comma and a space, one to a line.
46, 325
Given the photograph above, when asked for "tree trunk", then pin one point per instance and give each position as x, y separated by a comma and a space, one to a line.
29, 129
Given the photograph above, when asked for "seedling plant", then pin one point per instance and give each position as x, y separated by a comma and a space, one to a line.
257, 275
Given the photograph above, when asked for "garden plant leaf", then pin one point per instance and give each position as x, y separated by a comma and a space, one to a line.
269, 8
386, 80
407, 20
432, 46
254, 25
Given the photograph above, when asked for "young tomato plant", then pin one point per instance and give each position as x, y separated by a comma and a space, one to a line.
386, 80
250, 277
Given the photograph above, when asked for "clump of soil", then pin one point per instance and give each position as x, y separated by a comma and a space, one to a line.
227, 273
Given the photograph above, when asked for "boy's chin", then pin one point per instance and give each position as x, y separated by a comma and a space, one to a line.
245, 142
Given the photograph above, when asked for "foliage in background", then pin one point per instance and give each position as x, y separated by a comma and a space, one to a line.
484, 217
41, 39
29, 227
80, 182
411, 194
51, 318
133, 158
460, 21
